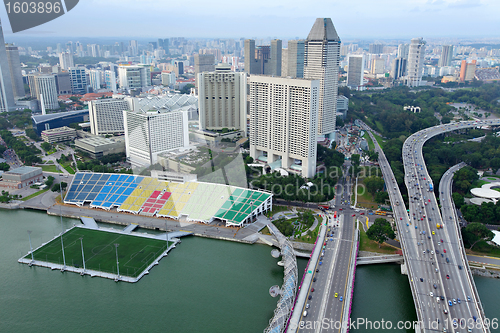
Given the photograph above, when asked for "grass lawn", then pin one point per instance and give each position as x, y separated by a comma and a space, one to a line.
277, 209
484, 249
371, 145
368, 245
50, 168
68, 167
380, 127
308, 239
34, 194
365, 200
379, 140
134, 253
479, 183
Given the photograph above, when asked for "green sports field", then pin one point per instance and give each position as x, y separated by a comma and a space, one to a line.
134, 253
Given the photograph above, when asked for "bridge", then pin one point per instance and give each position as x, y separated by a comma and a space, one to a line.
393, 258
435, 258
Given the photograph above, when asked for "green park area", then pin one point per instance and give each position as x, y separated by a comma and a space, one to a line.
366, 244
134, 253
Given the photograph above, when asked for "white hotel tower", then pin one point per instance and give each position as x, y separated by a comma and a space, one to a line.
283, 122
321, 62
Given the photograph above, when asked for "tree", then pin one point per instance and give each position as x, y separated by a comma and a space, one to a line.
187, 88
381, 197
46, 146
479, 231
458, 199
49, 181
4, 166
380, 231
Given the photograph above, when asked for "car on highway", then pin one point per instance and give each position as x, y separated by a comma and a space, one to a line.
459, 267
468, 298
307, 306
450, 303
458, 300
444, 250
421, 280
445, 312
336, 295
314, 280
435, 286
454, 301
432, 294
441, 240
317, 270
312, 289
353, 215
310, 297
341, 298
447, 260
448, 276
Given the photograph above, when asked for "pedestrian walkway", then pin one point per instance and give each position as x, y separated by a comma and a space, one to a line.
89, 222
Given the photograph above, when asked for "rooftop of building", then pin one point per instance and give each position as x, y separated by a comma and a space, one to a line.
96, 141
22, 170
323, 29
58, 130
46, 117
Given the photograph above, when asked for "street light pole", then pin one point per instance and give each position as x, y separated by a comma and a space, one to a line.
117, 263
62, 227
31, 248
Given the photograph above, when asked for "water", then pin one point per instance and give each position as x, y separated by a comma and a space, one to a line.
203, 285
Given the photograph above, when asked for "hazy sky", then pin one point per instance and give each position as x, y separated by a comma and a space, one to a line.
273, 18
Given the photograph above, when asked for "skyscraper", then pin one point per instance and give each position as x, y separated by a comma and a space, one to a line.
376, 48
95, 79
403, 50
110, 80
43, 88
106, 115
398, 69
6, 93
355, 72
467, 70
66, 60
321, 62
294, 62
263, 59
283, 121
446, 56
222, 99
78, 78
16, 76
203, 63
415, 62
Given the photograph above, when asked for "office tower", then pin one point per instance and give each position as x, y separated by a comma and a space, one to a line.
283, 122
378, 66
16, 77
168, 78
251, 63
376, 48
110, 80
78, 77
63, 83
273, 67
446, 56
106, 115
66, 60
264, 59
222, 98
203, 63
355, 72
179, 68
43, 88
148, 134
398, 69
321, 62
134, 48
6, 94
294, 63
95, 79
415, 62
403, 50
133, 77
467, 70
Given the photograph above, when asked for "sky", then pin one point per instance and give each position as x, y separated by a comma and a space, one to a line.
382, 19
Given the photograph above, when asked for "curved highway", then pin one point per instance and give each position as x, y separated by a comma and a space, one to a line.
437, 267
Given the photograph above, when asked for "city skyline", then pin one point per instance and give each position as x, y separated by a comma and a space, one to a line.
279, 19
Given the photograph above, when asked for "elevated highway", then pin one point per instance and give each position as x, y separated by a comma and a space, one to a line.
437, 267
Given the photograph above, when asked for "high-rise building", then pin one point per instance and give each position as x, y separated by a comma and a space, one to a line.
446, 56
222, 98
321, 62
283, 122
203, 63
110, 80
16, 76
179, 68
66, 60
378, 66
43, 87
78, 77
133, 77
106, 115
6, 94
148, 134
134, 48
355, 71
376, 48
293, 65
398, 69
403, 50
63, 83
263, 59
467, 70
415, 62
95, 79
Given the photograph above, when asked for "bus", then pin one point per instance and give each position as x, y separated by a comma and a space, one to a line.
335, 215
380, 212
